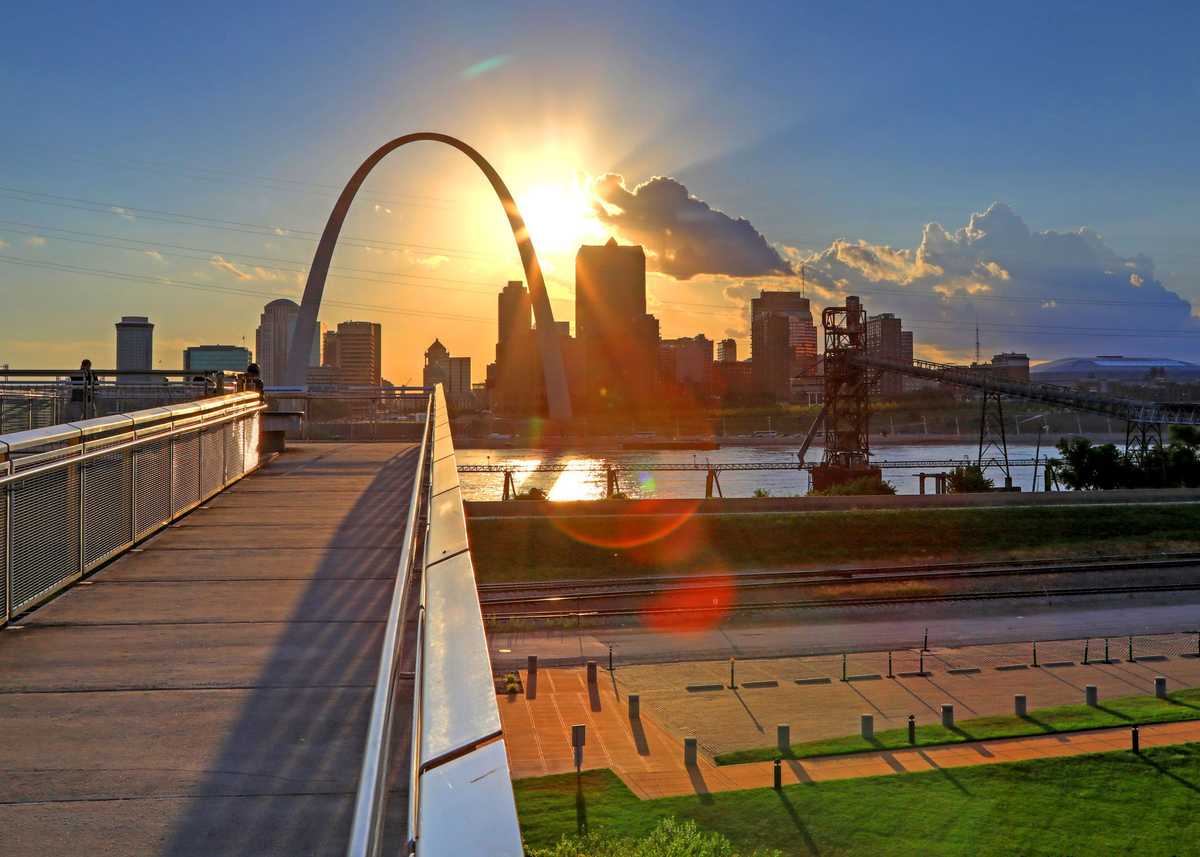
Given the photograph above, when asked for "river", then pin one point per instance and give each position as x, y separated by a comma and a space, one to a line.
583, 481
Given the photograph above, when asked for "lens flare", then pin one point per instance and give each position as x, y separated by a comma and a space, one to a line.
660, 519
680, 611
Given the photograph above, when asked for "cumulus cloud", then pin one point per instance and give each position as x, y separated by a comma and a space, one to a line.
684, 236
1048, 293
155, 255
122, 213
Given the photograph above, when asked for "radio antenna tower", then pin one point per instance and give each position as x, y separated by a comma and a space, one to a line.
976, 340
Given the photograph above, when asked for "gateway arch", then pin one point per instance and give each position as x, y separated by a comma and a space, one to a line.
557, 397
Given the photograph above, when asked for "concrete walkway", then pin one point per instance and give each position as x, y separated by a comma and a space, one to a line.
209, 692
650, 761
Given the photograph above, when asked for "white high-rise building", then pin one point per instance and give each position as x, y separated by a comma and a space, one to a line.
274, 336
135, 347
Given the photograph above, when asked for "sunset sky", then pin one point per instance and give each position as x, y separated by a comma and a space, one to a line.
1031, 167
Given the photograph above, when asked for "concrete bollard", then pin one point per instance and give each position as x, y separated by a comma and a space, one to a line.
867, 726
591, 672
947, 715
689, 752
635, 706
1019, 706
783, 738
1091, 695
1160, 687
531, 667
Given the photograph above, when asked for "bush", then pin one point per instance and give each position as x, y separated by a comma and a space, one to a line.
761, 492
968, 480
856, 487
530, 494
670, 838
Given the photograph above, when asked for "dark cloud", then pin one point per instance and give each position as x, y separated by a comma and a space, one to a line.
683, 235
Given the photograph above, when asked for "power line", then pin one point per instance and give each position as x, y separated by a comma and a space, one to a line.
163, 216
233, 290
276, 182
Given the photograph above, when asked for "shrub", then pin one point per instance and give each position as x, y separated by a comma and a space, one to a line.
670, 838
855, 487
530, 494
968, 480
761, 492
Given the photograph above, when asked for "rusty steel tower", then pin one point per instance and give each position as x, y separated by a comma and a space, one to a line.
847, 397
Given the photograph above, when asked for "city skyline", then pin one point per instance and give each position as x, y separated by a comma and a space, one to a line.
160, 214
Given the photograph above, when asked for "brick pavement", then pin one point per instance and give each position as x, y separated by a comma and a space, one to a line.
725, 720
647, 752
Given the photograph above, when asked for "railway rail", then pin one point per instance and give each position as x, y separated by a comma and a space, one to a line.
554, 599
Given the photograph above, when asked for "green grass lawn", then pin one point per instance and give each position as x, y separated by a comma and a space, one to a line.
598, 546
1113, 803
1125, 711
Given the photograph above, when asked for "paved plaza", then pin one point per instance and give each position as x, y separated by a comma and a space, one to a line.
693, 699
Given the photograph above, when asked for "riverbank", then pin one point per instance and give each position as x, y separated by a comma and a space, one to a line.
617, 443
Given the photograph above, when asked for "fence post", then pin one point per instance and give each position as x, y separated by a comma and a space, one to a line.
1086, 643
732, 678
1035, 663
843, 666
890, 673
1130, 658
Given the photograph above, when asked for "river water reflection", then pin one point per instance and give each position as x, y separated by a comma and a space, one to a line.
584, 480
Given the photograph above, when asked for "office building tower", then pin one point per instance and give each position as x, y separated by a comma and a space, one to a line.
216, 358
886, 340
617, 340
135, 347
787, 351
727, 351
689, 360
360, 352
514, 313
273, 337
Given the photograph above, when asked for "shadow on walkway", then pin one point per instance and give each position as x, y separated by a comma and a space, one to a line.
284, 780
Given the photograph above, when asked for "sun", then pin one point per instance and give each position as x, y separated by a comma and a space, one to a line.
559, 216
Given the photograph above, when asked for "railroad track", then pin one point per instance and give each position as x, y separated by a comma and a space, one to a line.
588, 597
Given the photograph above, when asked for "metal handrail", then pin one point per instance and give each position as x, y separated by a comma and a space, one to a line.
367, 822
67, 459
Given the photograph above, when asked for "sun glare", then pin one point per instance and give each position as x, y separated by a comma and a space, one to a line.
559, 216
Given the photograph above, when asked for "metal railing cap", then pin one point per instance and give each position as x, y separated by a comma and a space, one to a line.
38, 437
103, 425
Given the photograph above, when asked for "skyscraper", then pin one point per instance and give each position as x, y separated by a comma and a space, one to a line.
886, 339
781, 352
274, 336
727, 351
618, 341
135, 347
360, 352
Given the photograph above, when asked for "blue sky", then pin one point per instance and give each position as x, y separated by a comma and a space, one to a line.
862, 122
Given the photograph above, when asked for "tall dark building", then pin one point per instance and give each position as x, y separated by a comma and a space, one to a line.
515, 313
781, 352
886, 339
515, 379
617, 340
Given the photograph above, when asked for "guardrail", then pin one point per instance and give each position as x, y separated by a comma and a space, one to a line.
460, 789
75, 495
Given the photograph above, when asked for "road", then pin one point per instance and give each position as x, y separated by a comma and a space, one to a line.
860, 629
